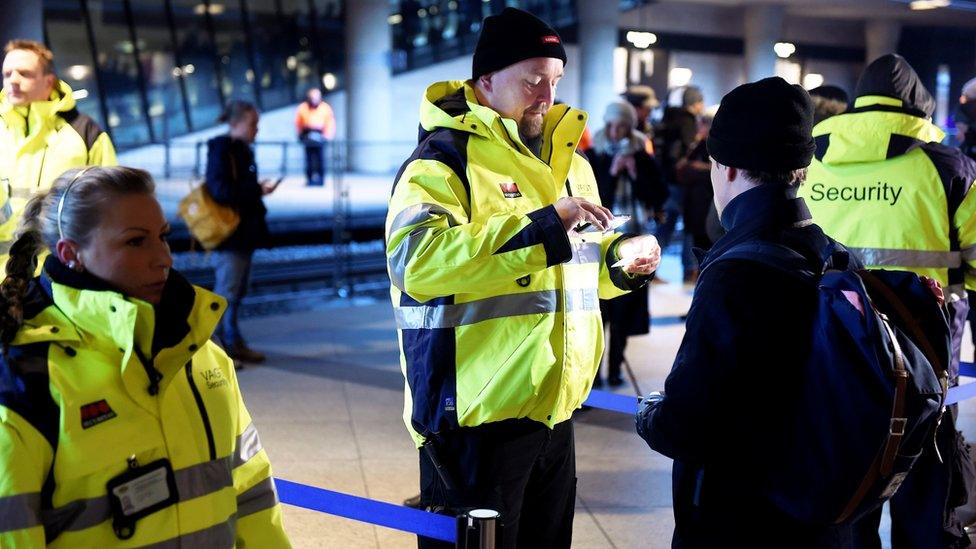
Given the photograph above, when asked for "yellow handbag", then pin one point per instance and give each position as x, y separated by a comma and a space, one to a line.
209, 222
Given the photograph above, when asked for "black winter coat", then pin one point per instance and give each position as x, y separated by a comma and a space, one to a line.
232, 180
748, 325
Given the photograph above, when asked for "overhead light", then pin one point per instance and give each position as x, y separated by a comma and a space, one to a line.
79, 94
189, 69
784, 49
329, 81
212, 9
812, 80
78, 72
678, 77
395, 19
641, 39
291, 62
929, 4
421, 13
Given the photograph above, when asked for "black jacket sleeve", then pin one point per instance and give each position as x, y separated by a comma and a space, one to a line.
221, 182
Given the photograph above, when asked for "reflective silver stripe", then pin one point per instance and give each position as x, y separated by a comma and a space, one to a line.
908, 258
191, 482
410, 216
257, 498
248, 445
587, 252
203, 478
452, 316
5, 246
218, 536
582, 299
418, 213
969, 254
76, 515
20, 511
20, 192
6, 212
402, 254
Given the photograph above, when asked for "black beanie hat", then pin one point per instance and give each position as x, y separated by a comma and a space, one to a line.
763, 126
512, 36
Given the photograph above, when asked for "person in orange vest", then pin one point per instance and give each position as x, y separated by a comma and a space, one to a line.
316, 126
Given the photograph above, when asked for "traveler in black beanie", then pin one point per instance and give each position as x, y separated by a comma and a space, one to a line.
499, 253
721, 415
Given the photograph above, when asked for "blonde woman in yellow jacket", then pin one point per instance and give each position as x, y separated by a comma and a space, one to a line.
121, 423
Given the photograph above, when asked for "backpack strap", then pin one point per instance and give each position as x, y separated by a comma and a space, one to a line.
788, 261
885, 460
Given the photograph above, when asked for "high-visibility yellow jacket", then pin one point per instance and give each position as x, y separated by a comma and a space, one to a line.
883, 185
38, 143
76, 402
497, 308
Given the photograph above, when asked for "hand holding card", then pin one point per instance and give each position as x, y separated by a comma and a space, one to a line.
639, 255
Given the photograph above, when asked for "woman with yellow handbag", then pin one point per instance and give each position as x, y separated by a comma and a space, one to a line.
232, 180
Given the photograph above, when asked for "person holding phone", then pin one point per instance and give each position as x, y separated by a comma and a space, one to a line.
232, 180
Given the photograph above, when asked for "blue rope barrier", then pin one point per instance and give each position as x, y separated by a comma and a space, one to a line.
443, 527
606, 400
398, 517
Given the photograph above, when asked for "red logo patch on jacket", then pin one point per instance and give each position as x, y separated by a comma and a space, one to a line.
550, 39
510, 190
95, 413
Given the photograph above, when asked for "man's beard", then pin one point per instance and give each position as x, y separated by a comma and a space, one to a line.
530, 127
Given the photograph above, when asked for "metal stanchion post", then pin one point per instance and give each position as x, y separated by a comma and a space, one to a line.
284, 158
477, 529
196, 160
340, 231
167, 171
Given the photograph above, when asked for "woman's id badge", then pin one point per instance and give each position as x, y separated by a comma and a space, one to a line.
139, 492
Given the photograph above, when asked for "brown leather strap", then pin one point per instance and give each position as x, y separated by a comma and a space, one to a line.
896, 428
884, 462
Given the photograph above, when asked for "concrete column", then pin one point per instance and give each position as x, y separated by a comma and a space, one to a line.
598, 29
763, 28
881, 37
369, 97
26, 20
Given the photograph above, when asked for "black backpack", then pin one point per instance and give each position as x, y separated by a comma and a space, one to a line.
873, 389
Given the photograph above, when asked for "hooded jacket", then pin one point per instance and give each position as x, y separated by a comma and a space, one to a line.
497, 308
93, 379
38, 143
883, 185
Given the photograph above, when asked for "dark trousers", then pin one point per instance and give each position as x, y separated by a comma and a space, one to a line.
919, 519
615, 349
315, 164
517, 467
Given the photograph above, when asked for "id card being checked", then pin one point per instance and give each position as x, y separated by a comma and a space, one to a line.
614, 223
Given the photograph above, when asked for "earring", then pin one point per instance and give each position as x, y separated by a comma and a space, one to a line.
72, 264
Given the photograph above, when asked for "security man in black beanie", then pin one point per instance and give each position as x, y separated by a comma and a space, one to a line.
722, 407
499, 253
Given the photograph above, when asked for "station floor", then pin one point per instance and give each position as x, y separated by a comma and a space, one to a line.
328, 405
